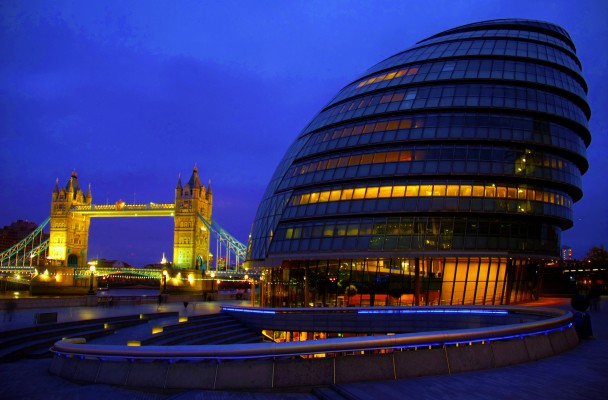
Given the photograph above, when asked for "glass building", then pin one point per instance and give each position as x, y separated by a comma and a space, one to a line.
445, 174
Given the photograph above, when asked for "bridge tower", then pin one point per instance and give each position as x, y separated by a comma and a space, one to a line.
69, 233
191, 237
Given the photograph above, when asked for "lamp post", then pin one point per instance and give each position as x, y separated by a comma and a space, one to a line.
212, 283
164, 281
92, 269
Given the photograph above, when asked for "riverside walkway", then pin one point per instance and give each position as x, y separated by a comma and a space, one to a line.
578, 374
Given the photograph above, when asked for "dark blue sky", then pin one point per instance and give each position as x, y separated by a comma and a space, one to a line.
132, 93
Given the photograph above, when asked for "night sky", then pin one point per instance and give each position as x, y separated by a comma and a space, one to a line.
131, 94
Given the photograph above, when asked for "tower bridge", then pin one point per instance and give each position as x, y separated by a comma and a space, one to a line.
65, 252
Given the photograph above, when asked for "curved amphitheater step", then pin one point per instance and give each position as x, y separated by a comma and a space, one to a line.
219, 328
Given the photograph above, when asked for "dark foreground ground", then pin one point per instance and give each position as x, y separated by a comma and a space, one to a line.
578, 374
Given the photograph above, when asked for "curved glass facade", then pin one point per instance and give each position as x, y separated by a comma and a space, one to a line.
445, 174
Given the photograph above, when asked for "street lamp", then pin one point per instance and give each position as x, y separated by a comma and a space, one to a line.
164, 281
212, 283
92, 269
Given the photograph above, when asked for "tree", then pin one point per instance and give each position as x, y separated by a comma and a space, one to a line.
596, 256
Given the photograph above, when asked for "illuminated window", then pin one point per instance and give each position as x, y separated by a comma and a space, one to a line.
372, 193
380, 126
359, 193
490, 191
522, 193
465, 191
314, 197
392, 125
405, 156
347, 194
385, 192
426, 190
379, 158
452, 190
305, 198
398, 96
392, 156
398, 191
324, 197
366, 159
439, 190
368, 128
354, 160
405, 124
411, 191
335, 195
478, 191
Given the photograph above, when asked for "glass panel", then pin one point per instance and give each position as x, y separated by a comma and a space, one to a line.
452, 190
347, 194
490, 191
478, 191
398, 191
385, 191
465, 190
426, 190
335, 195
359, 193
372, 192
439, 190
412, 191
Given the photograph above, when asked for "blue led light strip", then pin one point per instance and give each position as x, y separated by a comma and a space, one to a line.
254, 311
434, 311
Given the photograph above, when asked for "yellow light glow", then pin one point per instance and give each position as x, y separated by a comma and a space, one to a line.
134, 343
157, 329
183, 318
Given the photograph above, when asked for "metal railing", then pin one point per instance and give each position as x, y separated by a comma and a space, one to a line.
555, 320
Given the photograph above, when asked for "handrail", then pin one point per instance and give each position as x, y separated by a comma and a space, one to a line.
557, 319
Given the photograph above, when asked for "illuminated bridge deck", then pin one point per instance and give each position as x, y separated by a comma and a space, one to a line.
126, 210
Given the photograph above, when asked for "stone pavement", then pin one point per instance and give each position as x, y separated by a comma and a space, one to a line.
578, 374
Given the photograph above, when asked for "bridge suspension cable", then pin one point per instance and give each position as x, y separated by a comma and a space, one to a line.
231, 243
19, 253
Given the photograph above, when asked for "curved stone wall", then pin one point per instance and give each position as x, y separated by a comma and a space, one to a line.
292, 365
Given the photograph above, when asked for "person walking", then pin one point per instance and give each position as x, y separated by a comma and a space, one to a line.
594, 297
11, 305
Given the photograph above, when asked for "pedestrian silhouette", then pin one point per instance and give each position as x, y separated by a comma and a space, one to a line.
11, 305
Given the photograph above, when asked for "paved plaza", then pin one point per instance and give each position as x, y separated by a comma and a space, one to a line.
578, 374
